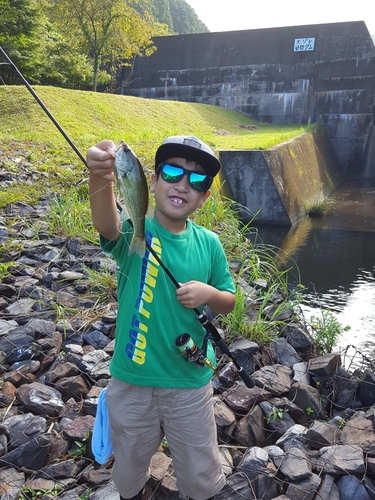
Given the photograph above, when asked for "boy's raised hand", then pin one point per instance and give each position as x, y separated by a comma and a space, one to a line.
100, 160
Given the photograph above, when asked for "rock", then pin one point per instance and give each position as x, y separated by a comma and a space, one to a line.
275, 441
328, 490
350, 487
305, 489
301, 373
40, 399
366, 391
322, 434
340, 459
30, 455
277, 379
307, 398
254, 462
324, 365
241, 399
298, 338
359, 431
283, 353
250, 430
10, 478
296, 465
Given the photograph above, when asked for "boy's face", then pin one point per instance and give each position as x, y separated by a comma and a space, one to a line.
178, 200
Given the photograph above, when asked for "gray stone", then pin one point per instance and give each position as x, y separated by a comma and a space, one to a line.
23, 428
278, 420
96, 364
241, 399
237, 487
40, 399
276, 379
254, 462
283, 353
366, 391
359, 431
296, 465
322, 434
328, 490
295, 433
350, 488
298, 338
250, 430
10, 478
224, 416
22, 307
305, 489
324, 365
307, 397
301, 373
340, 459
30, 455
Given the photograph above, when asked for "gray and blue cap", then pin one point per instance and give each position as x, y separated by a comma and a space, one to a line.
191, 148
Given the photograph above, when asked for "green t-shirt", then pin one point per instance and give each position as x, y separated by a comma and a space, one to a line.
150, 317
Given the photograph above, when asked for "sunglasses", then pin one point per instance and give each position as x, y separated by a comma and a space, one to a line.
174, 173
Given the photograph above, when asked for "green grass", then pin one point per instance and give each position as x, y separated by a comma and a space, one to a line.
88, 117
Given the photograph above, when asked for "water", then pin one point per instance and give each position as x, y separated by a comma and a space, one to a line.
335, 256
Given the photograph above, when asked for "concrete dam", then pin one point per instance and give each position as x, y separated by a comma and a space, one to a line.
323, 74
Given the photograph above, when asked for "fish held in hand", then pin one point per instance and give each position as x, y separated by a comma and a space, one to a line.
132, 183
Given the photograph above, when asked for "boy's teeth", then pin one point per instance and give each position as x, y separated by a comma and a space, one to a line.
178, 200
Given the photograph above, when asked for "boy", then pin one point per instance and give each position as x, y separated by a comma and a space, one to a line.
154, 392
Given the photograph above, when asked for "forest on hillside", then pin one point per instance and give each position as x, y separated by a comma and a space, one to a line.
82, 45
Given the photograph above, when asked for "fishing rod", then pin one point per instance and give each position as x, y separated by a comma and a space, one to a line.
42, 105
184, 342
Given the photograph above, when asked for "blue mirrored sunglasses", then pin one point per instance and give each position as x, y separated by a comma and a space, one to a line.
174, 173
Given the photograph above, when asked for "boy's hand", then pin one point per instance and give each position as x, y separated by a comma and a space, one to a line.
193, 294
100, 160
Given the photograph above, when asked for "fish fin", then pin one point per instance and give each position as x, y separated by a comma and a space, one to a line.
138, 246
150, 210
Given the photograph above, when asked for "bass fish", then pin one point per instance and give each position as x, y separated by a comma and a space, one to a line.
132, 183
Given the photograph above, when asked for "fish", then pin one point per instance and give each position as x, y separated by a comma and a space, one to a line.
132, 183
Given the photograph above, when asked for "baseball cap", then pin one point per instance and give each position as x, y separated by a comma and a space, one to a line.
191, 148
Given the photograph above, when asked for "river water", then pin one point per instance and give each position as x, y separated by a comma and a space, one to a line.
335, 256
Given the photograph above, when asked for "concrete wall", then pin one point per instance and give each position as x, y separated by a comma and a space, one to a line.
259, 73
281, 181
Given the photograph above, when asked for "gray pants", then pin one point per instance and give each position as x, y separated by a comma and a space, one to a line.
139, 419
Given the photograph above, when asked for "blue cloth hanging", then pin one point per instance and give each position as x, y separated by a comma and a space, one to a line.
101, 444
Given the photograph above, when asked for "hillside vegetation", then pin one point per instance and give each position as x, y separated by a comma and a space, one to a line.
88, 117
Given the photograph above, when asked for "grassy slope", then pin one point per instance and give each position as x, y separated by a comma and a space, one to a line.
87, 117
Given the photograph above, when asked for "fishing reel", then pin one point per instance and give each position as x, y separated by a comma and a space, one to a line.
193, 354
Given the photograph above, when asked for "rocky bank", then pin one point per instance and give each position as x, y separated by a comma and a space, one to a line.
304, 431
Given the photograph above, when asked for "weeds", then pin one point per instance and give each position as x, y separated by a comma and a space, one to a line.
276, 413
4, 273
79, 447
32, 494
318, 208
70, 215
326, 330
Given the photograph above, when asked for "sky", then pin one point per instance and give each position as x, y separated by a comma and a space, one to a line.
231, 15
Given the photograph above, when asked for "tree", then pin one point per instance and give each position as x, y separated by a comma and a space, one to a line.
180, 17
21, 25
185, 19
109, 31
